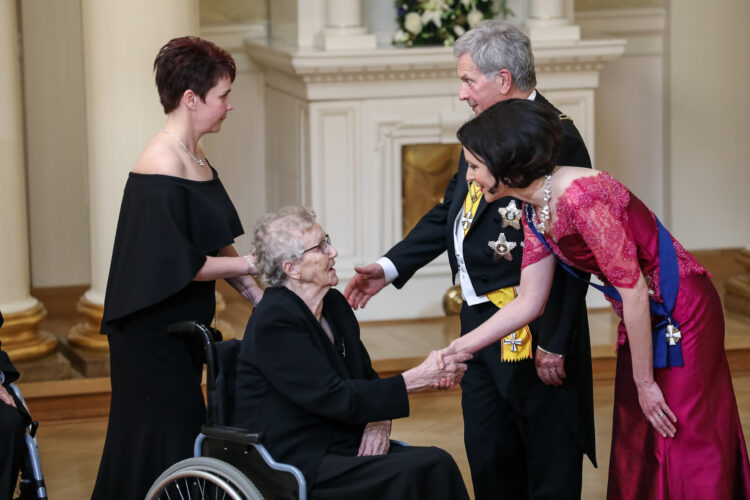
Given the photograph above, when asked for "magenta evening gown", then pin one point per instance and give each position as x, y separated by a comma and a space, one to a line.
602, 228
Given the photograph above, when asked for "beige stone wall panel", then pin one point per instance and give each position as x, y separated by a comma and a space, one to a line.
214, 12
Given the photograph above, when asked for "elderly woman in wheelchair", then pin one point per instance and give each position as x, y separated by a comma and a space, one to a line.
304, 379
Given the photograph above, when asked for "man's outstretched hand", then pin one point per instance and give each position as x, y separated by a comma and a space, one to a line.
368, 281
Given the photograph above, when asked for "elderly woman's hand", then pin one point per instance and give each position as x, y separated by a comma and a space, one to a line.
453, 365
376, 439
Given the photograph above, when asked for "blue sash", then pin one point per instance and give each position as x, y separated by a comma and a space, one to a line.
665, 334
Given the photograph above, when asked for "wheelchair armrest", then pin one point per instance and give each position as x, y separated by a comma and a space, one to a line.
232, 434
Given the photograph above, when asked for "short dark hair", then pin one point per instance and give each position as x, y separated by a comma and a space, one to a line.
517, 139
190, 63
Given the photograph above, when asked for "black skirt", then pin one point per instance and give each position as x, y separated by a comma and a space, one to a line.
157, 406
405, 473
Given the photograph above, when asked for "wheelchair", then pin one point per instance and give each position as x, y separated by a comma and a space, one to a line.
30, 480
228, 462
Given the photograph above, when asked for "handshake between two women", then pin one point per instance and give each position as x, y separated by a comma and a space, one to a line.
438, 372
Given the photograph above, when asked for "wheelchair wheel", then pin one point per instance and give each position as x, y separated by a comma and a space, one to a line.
203, 478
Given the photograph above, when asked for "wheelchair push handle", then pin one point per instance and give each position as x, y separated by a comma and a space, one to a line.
195, 332
186, 329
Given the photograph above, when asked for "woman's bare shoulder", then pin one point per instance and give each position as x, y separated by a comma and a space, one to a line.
160, 158
565, 176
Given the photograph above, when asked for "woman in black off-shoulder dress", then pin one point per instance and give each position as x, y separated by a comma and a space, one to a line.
174, 238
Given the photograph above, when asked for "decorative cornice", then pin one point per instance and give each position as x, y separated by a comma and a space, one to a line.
313, 66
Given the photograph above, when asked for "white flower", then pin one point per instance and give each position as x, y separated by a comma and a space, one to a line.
458, 30
435, 5
467, 3
474, 17
401, 36
434, 16
413, 23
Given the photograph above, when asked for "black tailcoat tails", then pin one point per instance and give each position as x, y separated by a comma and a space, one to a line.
508, 412
12, 429
312, 399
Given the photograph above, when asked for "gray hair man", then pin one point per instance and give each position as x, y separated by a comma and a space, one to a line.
527, 403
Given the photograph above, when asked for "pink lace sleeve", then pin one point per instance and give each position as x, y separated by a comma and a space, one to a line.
533, 249
596, 207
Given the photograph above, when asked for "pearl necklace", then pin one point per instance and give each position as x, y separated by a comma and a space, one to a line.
195, 159
543, 218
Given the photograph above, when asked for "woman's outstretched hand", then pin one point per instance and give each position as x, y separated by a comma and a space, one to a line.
655, 408
445, 351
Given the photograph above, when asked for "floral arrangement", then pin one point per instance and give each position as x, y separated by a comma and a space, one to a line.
440, 22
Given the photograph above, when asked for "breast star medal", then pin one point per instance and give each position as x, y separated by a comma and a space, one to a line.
502, 247
511, 215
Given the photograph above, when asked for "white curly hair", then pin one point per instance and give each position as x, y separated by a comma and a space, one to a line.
278, 239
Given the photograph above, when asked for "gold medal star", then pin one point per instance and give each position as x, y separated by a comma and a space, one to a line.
511, 215
502, 247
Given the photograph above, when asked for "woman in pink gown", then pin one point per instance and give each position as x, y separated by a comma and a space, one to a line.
676, 430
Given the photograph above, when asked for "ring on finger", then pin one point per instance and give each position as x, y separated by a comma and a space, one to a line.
660, 414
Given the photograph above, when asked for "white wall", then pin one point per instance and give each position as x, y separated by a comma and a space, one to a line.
238, 151
630, 100
709, 122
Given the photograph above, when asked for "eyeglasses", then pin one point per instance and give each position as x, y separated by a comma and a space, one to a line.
324, 246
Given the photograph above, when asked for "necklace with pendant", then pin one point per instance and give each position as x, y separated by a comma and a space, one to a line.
195, 159
543, 217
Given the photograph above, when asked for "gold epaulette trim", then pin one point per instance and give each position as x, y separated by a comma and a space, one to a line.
563, 116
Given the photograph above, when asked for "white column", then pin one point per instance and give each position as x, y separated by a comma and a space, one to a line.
21, 311
548, 20
344, 28
120, 39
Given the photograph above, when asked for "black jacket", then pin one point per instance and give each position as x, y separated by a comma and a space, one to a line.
563, 328
307, 395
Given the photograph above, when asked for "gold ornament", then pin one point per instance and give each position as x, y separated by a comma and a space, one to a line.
452, 301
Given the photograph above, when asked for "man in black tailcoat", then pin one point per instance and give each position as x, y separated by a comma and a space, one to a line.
12, 427
527, 400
